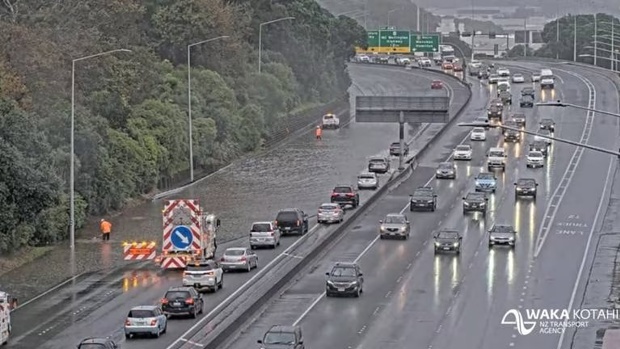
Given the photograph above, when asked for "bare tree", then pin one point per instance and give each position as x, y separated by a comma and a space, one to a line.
10, 9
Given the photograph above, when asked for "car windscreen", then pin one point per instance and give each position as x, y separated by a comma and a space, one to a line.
474, 196
279, 338
201, 267
140, 314
446, 166
234, 252
478, 130
496, 154
394, 220
92, 346
177, 295
261, 227
536, 154
342, 190
502, 229
343, 271
286, 216
328, 117
448, 235
462, 148
485, 176
422, 193
377, 161
366, 176
328, 207
526, 182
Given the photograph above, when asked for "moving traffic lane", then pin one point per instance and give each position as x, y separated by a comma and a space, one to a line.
361, 238
102, 311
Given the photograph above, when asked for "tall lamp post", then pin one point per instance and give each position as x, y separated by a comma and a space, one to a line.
260, 38
72, 170
189, 101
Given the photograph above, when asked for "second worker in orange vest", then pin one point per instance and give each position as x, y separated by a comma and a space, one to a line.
318, 132
106, 229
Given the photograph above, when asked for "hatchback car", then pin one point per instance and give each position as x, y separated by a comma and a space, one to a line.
436, 85
239, 258
264, 234
282, 337
330, 213
344, 279
518, 78
462, 152
367, 180
203, 275
478, 134
394, 225
395, 148
145, 319
182, 301
447, 240
379, 164
98, 343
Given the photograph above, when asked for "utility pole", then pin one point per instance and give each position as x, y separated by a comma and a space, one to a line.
417, 22
473, 31
525, 37
613, 52
557, 38
596, 38
575, 38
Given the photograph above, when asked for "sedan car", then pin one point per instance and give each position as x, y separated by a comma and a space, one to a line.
493, 78
544, 132
145, 319
535, 159
448, 240
462, 152
239, 258
446, 66
436, 85
535, 77
330, 213
547, 124
379, 164
395, 225
367, 180
478, 134
518, 78
446, 170
519, 119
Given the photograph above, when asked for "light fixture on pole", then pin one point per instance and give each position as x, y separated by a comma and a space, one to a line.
260, 38
189, 102
72, 166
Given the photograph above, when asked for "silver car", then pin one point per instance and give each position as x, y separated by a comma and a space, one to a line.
239, 258
145, 319
330, 213
379, 164
367, 180
395, 225
264, 234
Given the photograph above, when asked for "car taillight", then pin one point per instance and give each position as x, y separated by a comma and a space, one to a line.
350, 195
243, 259
153, 322
189, 301
320, 211
334, 194
222, 259
164, 301
272, 233
298, 222
127, 322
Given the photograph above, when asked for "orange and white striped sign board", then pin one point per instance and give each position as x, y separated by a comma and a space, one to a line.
173, 262
137, 251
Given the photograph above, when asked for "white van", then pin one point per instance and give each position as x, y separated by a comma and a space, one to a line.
546, 78
496, 159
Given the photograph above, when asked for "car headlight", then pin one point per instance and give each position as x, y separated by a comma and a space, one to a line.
382, 228
438, 171
403, 229
456, 244
330, 282
466, 203
511, 238
483, 204
437, 244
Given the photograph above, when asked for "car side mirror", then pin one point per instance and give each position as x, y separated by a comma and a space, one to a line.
435, 235
434, 195
486, 199
463, 198
260, 341
381, 222
536, 184
360, 274
327, 274
218, 222
407, 222
515, 183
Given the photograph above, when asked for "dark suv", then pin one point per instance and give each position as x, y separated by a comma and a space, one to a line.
475, 202
448, 240
282, 337
525, 187
292, 220
423, 199
97, 343
344, 279
511, 135
395, 149
345, 195
182, 301
547, 124
519, 119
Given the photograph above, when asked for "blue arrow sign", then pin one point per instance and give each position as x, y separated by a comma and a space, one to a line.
181, 237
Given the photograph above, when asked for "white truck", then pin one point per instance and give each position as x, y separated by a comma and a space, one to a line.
546, 79
496, 159
330, 121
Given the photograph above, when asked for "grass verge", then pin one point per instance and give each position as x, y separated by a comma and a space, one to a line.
26, 255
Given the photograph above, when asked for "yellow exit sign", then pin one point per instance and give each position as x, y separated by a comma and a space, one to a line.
390, 49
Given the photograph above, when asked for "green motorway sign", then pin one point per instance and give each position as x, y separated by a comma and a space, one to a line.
373, 38
424, 43
394, 38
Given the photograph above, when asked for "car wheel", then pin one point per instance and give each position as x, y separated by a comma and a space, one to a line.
328, 294
221, 285
157, 333
165, 328
249, 267
358, 293
127, 336
381, 237
194, 313
252, 247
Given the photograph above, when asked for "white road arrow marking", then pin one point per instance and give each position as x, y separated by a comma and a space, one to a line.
182, 237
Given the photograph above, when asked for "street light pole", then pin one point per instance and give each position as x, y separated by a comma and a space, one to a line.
72, 165
595, 39
189, 102
575, 39
564, 105
260, 38
557, 38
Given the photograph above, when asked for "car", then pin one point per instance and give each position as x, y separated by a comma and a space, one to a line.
519, 119
447, 240
497, 102
503, 86
518, 78
379, 164
330, 121
483, 120
483, 74
540, 146
502, 234
203, 275
511, 135
485, 181
475, 202
475, 64
462, 152
264, 234
367, 180
446, 170
547, 124
506, 97
394, 225
535, 159
494, 112
145, 319
457, 67
446, 66
493, 78
98, 343
292, 220
535, 77
345, 195
403, 61
478, 134
528, 91
423, 199
330, 213
526, 101
474, 71
238, 258
383, 60
425, 63
436, 84
182, 301
496, 159
395, 149
344, 279
541, 134
525, 187
503, 72
363, 59
282, 337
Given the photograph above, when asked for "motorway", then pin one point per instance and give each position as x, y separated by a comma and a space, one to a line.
413, 297
96, 303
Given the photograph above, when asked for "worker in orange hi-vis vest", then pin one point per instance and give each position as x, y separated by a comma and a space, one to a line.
318, 132
106, 229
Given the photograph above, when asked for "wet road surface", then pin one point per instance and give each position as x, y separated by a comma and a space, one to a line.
96, 303
412, 295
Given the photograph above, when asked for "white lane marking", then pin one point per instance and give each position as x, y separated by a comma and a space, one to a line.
387, 295
560, 191
192, 343
47, 292
318, 299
